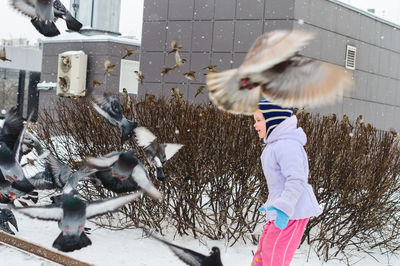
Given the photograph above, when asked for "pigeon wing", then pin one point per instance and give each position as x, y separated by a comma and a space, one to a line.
103, 162
12, 128
47, 212
272, 48
141, 177
26, 7
307, 83
59, 171
188, 256
100, 207
171, 149
144, 137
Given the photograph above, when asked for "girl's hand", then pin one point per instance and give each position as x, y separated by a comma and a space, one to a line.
282, 219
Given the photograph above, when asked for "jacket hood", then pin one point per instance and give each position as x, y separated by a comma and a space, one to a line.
288, 129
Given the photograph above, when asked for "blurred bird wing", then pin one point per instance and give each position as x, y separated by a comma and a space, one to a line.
140, 176
58, 169
12, 128
99, 207
47, 212
102, 162
171, 149
26, 7
272, 48
223, 89
8, 215
144, 137
177, 57
188, 256
20, 140
75, 178
310, 83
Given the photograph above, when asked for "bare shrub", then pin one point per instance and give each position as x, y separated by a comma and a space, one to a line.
215, 182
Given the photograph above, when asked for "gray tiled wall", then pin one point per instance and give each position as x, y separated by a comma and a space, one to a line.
221, 31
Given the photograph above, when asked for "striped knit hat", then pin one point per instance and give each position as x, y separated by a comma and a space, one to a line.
273, 114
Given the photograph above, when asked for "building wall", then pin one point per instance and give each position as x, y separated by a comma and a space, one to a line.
98, 51
221, 31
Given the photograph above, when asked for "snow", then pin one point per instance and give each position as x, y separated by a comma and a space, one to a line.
131, 247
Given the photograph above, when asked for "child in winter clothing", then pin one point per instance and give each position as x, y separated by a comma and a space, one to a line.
291, 200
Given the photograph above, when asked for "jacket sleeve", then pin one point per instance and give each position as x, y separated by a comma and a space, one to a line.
290, 157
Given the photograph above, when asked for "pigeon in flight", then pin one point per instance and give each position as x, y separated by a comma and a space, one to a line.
63, 177
274, 70
110, 108
71, 214
11, 136
6, 216
191, 257
157, 154
44, 13
122, 172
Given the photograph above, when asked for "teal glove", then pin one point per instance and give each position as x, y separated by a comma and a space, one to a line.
282, 219
261, 209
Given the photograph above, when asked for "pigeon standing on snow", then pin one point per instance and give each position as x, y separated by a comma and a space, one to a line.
6, 216
71, 215
191, 257
122, 172
273, 69
44, 13
157, 154
110, 108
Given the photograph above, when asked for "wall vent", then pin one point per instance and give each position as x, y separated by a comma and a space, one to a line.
351, 52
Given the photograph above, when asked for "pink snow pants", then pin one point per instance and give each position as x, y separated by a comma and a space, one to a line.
276, 246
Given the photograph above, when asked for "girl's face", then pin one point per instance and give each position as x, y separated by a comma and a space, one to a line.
259, 124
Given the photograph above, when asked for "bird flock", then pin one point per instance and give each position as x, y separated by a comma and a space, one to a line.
272, 69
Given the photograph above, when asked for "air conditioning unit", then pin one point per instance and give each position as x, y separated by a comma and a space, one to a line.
71, 73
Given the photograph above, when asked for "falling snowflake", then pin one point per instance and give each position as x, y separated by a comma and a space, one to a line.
176, 131
3, 111
300, 21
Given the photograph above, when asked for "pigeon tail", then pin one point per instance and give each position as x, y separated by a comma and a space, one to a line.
127, 128
47, 28
160, 174
72, 23
27, 200
71, 243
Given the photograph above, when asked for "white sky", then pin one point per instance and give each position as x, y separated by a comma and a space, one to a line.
15, 25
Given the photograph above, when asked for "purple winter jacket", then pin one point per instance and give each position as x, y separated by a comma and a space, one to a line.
285, 165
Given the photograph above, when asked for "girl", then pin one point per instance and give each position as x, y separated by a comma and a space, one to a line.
291, 201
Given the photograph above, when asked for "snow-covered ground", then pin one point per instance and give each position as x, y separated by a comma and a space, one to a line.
130, 247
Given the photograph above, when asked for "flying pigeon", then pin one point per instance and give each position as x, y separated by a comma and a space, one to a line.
122, 172
44, 13
11, 136
273, 69
191, 257
63, 177
110, 108
71, 215
156, 154
6, 216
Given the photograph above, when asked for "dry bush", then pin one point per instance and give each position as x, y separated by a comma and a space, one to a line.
215, 182
355, 170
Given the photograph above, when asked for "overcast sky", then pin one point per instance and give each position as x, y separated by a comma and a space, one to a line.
15, 25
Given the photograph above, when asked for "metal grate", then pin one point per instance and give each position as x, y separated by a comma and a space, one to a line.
351, 53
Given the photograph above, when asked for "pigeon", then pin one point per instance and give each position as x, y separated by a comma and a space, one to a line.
11, 136
191, 257
122, 172
44, 13
7, 216
273, 69
110, 108
156, 154
63, 177
71, 214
